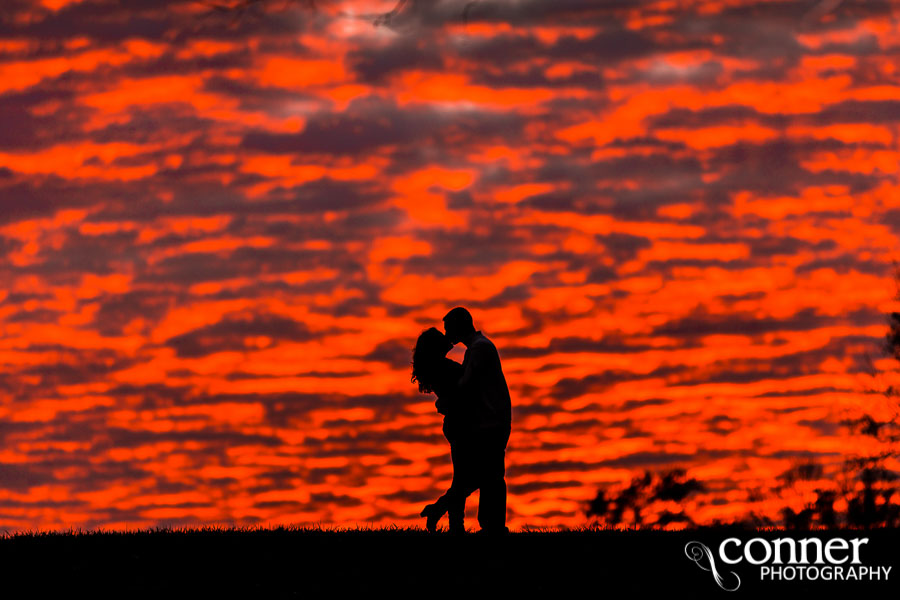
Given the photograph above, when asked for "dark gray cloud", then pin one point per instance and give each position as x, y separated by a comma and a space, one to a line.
767, 247
118, 310
233, 331
748, 370
846, 111
611, 343
572, 387
537, 486
246, 261
72, 365
395, 353
243, 375
804, 393
633, 404
20, 478
23, 130
846, 264
371, 123
702, 323
376, 65
114, 437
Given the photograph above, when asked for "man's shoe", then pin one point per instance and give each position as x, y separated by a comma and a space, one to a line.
430, 512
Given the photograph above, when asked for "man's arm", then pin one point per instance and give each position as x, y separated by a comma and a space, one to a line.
474, 366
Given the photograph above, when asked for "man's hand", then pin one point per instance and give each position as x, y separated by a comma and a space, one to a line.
440, 406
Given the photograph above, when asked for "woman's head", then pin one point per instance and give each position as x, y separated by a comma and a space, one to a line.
431, 346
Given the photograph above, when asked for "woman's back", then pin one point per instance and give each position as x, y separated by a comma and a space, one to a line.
457, 409
446, 374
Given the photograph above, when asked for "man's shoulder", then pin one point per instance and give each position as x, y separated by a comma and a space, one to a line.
482, 343
485, 349
486, 342
482, 339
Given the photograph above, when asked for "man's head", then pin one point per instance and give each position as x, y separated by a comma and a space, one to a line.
458, 325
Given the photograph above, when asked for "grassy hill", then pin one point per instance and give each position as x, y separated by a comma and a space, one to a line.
323, 563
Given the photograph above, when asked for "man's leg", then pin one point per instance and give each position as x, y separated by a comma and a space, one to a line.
492, 481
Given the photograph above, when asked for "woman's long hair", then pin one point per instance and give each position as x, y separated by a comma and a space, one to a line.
431, 346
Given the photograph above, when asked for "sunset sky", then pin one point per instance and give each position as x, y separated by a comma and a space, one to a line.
223, 230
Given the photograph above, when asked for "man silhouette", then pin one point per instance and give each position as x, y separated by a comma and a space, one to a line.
483, 384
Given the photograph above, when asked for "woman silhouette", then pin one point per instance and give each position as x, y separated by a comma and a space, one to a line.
437, 373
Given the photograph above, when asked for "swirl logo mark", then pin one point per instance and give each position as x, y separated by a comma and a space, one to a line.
697, 551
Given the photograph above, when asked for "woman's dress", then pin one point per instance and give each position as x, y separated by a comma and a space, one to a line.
458, 414
459, 420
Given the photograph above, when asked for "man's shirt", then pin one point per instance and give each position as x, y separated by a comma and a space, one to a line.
483, 384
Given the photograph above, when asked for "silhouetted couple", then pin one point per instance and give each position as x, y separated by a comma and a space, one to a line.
474, 399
